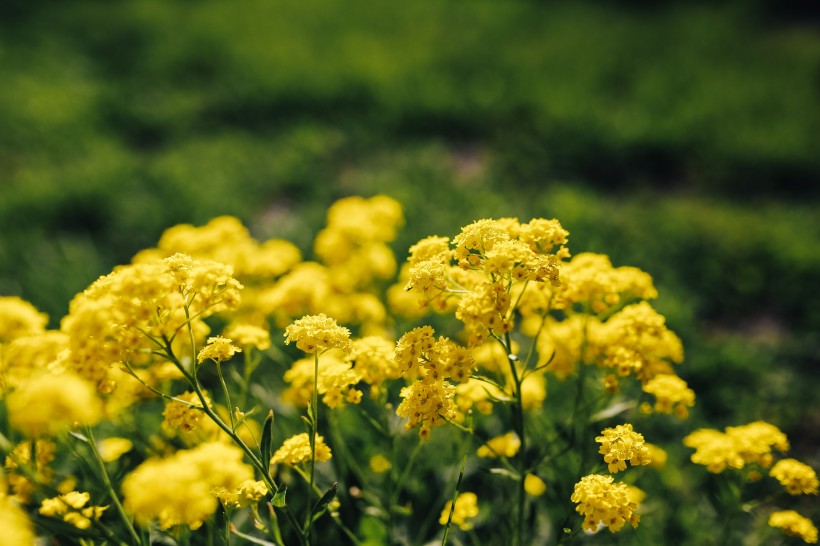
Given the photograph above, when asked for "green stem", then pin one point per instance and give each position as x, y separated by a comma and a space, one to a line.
107, 481
227, 394
455, 497
314, 418
518, 425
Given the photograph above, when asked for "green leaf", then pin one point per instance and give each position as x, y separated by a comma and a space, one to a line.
79, 436
267, 437
322, 503
279, 497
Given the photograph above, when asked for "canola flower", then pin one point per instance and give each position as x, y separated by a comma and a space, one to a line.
218, 349
737, 446
71, 507
798, 478
296, 450
500, 446
317, 333
622, 444
534, 486
16, 526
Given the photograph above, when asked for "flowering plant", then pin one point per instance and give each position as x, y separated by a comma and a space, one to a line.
171, 406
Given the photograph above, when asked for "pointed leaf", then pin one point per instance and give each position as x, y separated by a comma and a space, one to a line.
267, 437
279, 497
322, 503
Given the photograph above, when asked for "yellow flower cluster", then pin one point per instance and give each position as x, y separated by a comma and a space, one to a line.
218, 349
418, 351
793, 524
178, 490
29, 355
798, 478
317, 333
48, 404
336, 382
121, 315
621, 444
500, 446
466, 509
603, 502
248, 335
591, 280
181, 415
296, 450
19, 459
374, 360
737, 446
427, 404
248, 493
534, 486
72, 508
19, 318
672, 394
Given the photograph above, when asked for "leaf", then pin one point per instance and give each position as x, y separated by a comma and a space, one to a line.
267, 437
79, 436
506, 473
612, 411
322, 503
279, 497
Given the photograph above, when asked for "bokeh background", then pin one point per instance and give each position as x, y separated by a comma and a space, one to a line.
682, 137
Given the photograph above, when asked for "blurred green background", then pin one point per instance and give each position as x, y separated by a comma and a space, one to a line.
679, 137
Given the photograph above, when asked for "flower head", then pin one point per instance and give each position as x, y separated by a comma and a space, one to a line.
296, 450
793, 524
621, 444
798, 478
218, 349
317, 333
466, 508
601, 501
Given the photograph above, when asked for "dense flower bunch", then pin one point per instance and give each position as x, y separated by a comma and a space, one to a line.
220, 346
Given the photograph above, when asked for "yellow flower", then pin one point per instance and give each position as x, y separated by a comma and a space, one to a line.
296, 450
113, 448
248, 493
19, 318
793, 524
671, 394
49, 404
179, 415
379, 464
657, 455
601, 501
621, 444
219, 349
714, 449
336, 382
17, 528
427, 404
500, 446
466, 509
248, 335
72, 508
318, 333
798, 478
534, 486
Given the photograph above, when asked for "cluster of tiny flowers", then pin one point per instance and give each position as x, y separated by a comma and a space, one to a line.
30, 355
296, 450
591, 280
248, 493
621, 444
19, 318
218, 349
437, 359
793, 524
374, 359
501, 446
248, 335
336, 382
672, 394
317, 333
20, 487
427, 404
16, 526
48, 404
465, 510
184, 414
798, 478
178, 490
603, 502
737, 446
72, 508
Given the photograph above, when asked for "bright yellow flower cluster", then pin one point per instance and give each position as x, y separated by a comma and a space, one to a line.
621, 444
798, 478
17, 528
672, 394
19, 485
218, 349
178, 490
72, 508
737, 446
248, 335
419, 352
506, 445
19, 318
121, 315
181, 415
793, 524
427, 404
375, 360
603, 502
49, 404
336, 382
591, 280
29, 355
296, 450
248, 493
317, 333
466, 509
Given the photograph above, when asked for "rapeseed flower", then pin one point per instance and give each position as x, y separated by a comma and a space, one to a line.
218, 349
317, 333
603, 502
621, 444
793, 524
798, 478
506, 445
466, 509
296, 450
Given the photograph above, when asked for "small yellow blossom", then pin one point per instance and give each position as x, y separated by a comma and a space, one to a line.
671, 394
16, 526
534, 486
19, 318
427, 404
72, 508
248, 493
181, 415
317, 333
219, 349
296, 450
601, 501
248, 335
657, 455
621, 444
379, 464
798, 478
500, 446
466, 508
793, 524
